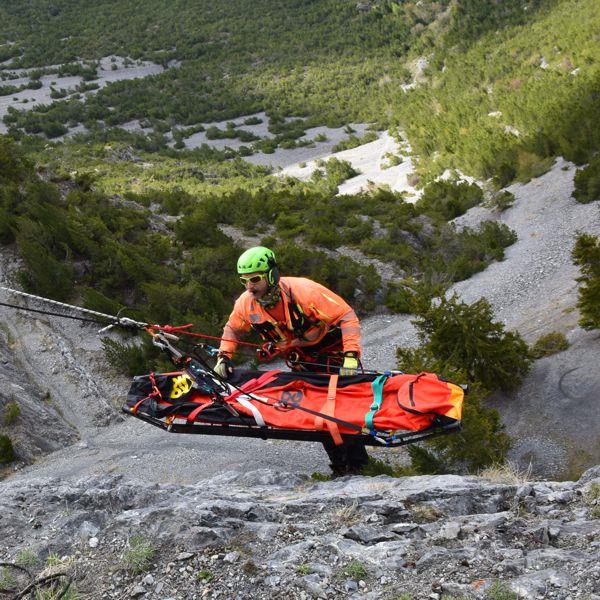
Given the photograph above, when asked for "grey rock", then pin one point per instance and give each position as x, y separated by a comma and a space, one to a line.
231, 557
532, 584
515, 566
88, 529
406, 528
450, 531
458, 590
540, 534
589, 475
272, 580
368, 535
435, 555
313, 585
185, 555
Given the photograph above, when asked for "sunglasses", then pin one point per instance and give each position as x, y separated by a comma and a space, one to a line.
253, 279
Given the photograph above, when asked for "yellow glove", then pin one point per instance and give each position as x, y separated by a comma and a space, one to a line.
223, 368
350, 365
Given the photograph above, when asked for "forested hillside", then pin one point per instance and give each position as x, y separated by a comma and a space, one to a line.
505, 86
328, 59
514, 98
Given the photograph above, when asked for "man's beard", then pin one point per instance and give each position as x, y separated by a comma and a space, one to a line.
271, 297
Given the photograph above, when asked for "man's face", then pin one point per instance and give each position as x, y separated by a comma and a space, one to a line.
259, 288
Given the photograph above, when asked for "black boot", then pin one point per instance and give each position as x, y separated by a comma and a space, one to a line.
338, 471
357, 458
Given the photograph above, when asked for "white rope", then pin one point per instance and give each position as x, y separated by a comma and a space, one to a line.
117, 320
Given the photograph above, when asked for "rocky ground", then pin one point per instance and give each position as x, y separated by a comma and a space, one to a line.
271, 534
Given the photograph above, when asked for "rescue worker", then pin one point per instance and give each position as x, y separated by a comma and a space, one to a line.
312, 326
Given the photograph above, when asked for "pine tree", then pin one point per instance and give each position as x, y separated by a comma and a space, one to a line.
586, 255
460, 337
463, 343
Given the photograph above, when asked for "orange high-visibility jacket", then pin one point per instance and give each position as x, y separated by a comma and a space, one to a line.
311, 311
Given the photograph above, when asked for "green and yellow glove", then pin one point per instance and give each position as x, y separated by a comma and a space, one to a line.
350, 365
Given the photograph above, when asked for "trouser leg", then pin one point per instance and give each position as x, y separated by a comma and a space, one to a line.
357, 456
347, 458
338, 457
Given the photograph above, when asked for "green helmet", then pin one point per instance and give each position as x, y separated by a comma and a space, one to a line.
256, 260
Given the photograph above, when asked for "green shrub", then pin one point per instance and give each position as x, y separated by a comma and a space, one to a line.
500, 591
7, 580
354, 570
586, 255
464, 338
391, 160
95, 300
549, 344
45, 275
587, 182
399, 299
7, 452
530, 165
141, 551
482, 441
462, 343
27, 558
353, 141
14, 166
449, 198
11, 412
377, 467
131, 359
502, 200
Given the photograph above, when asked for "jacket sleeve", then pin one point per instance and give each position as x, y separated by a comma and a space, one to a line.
234, 329
322, 304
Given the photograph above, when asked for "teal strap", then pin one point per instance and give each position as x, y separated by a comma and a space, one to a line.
377, 386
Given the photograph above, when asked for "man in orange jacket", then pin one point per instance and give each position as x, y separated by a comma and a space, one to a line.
313, 327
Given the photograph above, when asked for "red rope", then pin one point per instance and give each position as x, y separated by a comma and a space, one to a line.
181, 330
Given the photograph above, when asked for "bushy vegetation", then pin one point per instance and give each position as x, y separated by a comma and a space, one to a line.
332, 63
586, 255
587, 182
549, 344
504, 105
112, 252
449, 199
139, 554
463, 343
12, 410
465, 338
502, 200
7, 452
239, 58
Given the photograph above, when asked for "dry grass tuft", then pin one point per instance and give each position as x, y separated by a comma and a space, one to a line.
508, 473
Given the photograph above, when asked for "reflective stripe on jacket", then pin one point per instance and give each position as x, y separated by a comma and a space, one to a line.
311, 310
